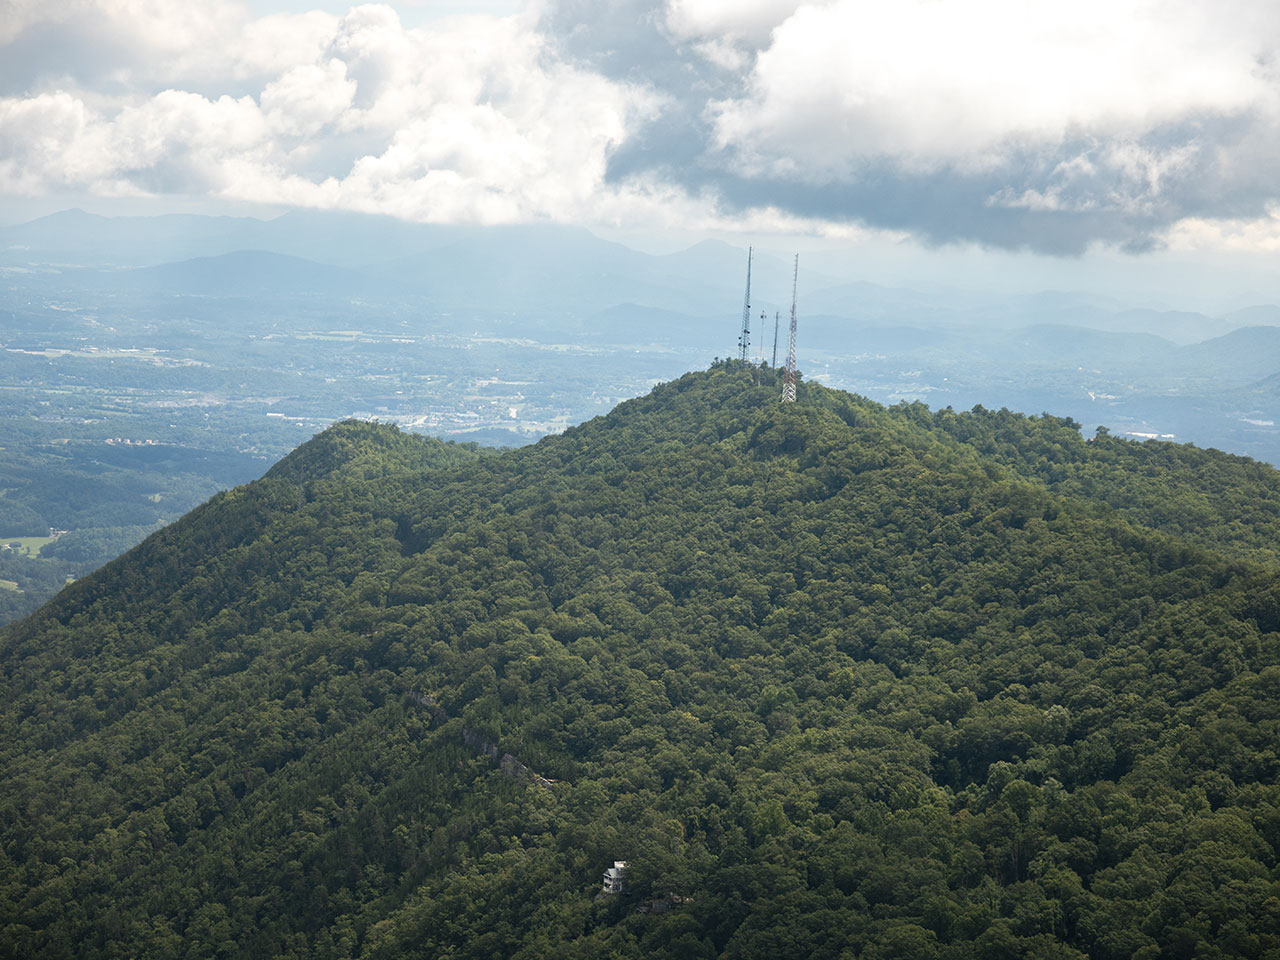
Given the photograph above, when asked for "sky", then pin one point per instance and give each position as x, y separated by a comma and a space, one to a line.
1103, 140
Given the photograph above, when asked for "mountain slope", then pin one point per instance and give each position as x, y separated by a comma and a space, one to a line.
1249, 352
85, 239
240, 273
1229, 503
835, 679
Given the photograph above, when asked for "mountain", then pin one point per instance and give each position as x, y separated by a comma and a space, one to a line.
1180, 326
870, 302
538, 269
1065, 346
1071, 308
528, 268
244, 273
1248, 353
533, 268
832, 679
1261, 315
77, 238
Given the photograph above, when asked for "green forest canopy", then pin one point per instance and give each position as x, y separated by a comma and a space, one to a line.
837, 680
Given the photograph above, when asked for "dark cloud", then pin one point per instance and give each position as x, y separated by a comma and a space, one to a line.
622, 39
1055, 202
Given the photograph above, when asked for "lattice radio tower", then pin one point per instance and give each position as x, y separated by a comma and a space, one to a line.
744, 338
789, 381
776, 315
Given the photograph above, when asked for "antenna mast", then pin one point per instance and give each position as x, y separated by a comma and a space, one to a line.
776, 316
789, 381
744, 338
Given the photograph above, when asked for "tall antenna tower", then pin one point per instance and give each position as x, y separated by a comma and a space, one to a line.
776, 316
762, 338
789, 381
744, 338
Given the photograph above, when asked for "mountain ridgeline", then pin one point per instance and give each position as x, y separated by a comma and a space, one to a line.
836, 680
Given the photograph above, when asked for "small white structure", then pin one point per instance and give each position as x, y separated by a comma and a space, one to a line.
613, 877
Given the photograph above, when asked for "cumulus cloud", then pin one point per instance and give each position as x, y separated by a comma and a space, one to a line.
175, 142
936, 82
308, 97
468, 120
1049, 126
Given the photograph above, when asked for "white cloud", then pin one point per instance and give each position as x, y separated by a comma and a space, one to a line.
307, 98
944, 83
270, 46
465, 120
34, 137
1252, 235
175, 142
727, 20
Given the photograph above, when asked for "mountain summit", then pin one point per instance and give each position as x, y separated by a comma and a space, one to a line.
824, 679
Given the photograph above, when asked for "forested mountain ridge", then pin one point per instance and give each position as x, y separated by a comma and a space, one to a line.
836, 679
1228, 502
355, 450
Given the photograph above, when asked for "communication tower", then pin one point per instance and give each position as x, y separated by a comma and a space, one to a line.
776, 316
789, 381
744, 338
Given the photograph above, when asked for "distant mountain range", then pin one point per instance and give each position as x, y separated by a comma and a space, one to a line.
535, 269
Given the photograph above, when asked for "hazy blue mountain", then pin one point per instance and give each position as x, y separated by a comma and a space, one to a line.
1261, 315
868, 301
353, 239
722, 266
84, 239
1180, 326
244, 273
528, 268
1056, 307
1244, 354
842, 334
1072, 345
538, 269
533, 268
1073, 308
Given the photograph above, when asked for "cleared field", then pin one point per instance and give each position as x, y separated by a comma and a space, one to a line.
29, 546
9, 585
